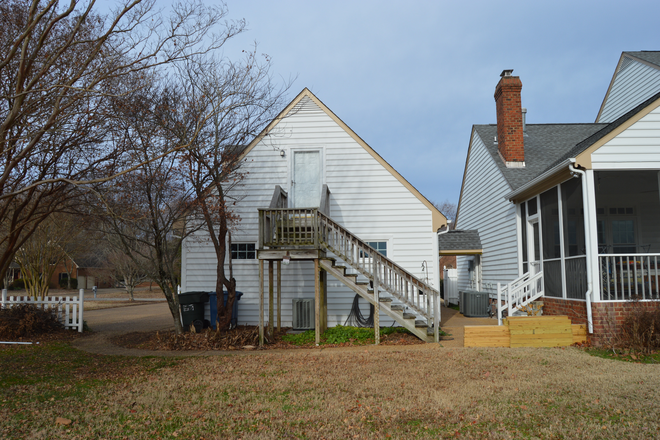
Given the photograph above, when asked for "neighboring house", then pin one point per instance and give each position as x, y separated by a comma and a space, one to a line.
89, 272
310, 160
569, 211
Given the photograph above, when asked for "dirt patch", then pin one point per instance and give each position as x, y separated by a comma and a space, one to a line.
236, 339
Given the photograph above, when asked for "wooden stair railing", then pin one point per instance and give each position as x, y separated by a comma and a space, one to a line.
400, 284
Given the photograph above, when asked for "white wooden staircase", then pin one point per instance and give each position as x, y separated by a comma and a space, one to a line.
518, 293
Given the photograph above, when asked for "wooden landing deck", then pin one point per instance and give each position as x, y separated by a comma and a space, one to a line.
526, 331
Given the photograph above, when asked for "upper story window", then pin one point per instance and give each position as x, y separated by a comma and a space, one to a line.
243, 251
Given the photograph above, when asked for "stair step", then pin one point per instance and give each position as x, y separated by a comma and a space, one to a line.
384, 300
409, 316
420, 324
362, 283
397, 308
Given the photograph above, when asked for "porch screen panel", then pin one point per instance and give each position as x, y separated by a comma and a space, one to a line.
575, 264
551, 243
576, 278
523, 230
573, 218
552, 278
550, 224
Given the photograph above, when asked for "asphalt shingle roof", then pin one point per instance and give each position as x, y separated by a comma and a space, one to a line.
459, 240
650, 56
544, 145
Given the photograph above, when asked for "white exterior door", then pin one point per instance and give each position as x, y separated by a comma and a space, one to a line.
534, 250
306, 179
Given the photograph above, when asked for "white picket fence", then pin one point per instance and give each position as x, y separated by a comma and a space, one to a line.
69, 309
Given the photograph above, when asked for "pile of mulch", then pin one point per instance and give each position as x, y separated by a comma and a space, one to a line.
240, 338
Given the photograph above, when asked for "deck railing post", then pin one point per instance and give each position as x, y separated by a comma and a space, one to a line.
508, 299
4, 297
436, 317
81, 308
499, 304
376, 306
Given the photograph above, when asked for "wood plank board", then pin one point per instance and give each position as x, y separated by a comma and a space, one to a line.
486, 336
565, 329
579, 333
534, 331
536, 319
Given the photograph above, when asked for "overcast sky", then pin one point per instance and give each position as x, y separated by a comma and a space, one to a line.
411, 78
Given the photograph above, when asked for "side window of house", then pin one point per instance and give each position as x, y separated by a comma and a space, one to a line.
243, 251
380, 246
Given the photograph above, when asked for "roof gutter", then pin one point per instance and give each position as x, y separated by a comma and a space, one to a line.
551, 172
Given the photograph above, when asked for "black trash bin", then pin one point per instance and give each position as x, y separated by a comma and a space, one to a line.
213, 308
192, 309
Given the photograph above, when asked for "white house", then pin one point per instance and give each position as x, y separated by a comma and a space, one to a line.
569, 211
308, 158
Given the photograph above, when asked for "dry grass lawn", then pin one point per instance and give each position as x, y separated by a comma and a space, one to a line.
399, 392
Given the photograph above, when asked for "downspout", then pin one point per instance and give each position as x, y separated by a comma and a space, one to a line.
587, 238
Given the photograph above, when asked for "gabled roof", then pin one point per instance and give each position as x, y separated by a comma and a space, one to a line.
458, 242
438, 219
649, 58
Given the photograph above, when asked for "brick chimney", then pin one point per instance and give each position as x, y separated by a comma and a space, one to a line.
510, 140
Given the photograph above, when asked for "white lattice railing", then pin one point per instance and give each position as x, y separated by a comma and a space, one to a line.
518, 293
624, 277
68, 309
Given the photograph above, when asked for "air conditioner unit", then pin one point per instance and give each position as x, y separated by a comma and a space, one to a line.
303, 313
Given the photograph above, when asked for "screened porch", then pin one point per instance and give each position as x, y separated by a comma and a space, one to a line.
627, 232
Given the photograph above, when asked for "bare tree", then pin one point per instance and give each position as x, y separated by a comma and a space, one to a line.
40, 255
128, 271
141, 212
226, 105
448, 209
62, 65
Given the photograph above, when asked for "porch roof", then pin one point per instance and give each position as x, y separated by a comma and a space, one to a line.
460, 242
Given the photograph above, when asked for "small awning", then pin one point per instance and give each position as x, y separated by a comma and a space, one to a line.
460, 242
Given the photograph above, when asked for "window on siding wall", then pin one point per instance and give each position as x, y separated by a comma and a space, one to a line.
380, 246
243, 251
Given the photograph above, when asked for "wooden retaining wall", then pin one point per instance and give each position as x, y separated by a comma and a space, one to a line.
526, 331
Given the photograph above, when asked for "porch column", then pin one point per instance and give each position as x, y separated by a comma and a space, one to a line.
261, 303
323, 279
592, 230
317, 303
279, 295
377, 306
271, 305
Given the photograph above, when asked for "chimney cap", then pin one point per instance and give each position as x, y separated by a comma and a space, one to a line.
506, 72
